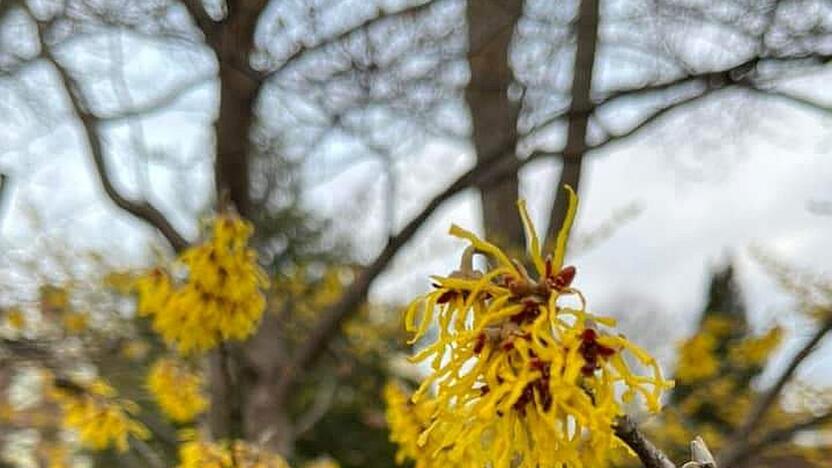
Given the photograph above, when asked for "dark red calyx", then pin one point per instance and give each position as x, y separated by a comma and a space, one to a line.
563, 279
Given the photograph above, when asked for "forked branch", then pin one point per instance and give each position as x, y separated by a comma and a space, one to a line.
141, 209
740, 440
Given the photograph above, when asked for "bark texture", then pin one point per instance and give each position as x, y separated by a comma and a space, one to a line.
493, 115
234, 379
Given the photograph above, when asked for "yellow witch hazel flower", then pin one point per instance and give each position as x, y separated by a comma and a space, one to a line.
195, 452
100, 418
517, 379
219, 300
177, 390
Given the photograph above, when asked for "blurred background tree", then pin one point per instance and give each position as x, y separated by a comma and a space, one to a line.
715, 387
267, 101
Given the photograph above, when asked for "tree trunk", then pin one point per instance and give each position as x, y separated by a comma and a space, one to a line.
265, 410
234, 377
233, 42
579, 110
494, 116
237, 96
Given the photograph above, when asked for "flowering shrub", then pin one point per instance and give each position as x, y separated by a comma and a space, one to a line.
516, 377
195, 452
101, 419
218, 300
714, 395
177, 390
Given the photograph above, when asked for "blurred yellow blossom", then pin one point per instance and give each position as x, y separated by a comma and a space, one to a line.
15, 319
6, 411
53, 299
177, 390
195, 452
756, 350
408, 421
305, 296
120, 281
220, 299
75, 322
520, 380
98, 416
696, 358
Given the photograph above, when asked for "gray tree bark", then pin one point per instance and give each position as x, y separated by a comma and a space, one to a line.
494, 116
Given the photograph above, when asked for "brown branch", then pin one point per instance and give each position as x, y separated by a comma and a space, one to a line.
491, 26
232, 43
203, 21
658, 114
141, 209
26, 350
650, 456
740, 438
742, 73
778, 436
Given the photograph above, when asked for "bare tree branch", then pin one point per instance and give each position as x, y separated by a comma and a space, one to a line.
240, 86
665, 109
197, 11
740, 438
141, 209
579, 110
650, 456
778, 436
742, 73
